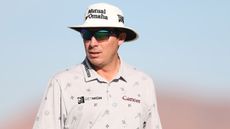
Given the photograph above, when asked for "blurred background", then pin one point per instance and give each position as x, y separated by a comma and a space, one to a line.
184, 45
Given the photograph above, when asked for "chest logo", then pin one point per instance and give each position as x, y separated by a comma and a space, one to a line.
126, 98
83, 99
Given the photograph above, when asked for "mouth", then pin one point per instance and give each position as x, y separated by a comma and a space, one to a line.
94, 54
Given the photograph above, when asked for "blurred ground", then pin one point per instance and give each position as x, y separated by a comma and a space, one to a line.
193, 113
177, 112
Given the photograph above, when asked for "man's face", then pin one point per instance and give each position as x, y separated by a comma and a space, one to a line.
101, 46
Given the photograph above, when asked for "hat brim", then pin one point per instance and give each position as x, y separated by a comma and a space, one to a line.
130, 33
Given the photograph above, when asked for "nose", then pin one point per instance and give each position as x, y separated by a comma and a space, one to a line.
93, 42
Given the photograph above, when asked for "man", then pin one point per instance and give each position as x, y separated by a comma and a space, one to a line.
102, 92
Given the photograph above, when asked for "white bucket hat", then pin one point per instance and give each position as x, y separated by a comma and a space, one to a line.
102, 15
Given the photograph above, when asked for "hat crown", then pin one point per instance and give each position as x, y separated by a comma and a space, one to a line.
102, 14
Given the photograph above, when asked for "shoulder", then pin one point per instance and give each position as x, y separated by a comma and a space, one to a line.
136, 74
141, 81
70, 73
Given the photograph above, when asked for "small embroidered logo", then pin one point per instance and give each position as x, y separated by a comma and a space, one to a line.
131, 99
81, 99
96, 14
120, 18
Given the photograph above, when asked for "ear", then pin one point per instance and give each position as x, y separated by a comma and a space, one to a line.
121, 37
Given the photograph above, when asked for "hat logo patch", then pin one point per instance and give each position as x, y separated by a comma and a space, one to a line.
96, 14
120, 18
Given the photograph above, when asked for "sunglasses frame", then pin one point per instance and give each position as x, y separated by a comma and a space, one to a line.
99, 34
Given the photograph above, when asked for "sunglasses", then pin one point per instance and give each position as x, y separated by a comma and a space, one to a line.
99, 35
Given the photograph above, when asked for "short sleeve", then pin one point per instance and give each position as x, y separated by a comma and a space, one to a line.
153, 119
51, 113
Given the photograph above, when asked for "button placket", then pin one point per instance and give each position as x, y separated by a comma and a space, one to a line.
106, 113
107, 91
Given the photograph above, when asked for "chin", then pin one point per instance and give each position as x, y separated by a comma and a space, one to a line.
96, 61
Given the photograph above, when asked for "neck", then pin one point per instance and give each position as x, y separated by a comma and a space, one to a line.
110, 70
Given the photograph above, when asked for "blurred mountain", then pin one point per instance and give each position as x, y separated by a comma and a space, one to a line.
176, 111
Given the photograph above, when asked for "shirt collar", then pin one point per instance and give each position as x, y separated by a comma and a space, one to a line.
88, 71
121, 73
90, 74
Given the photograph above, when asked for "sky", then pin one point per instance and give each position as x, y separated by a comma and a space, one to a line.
183, 44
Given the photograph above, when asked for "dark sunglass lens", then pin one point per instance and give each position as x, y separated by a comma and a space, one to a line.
102, 34
86, 34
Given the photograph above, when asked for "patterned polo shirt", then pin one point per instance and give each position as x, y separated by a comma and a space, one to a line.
79, 98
